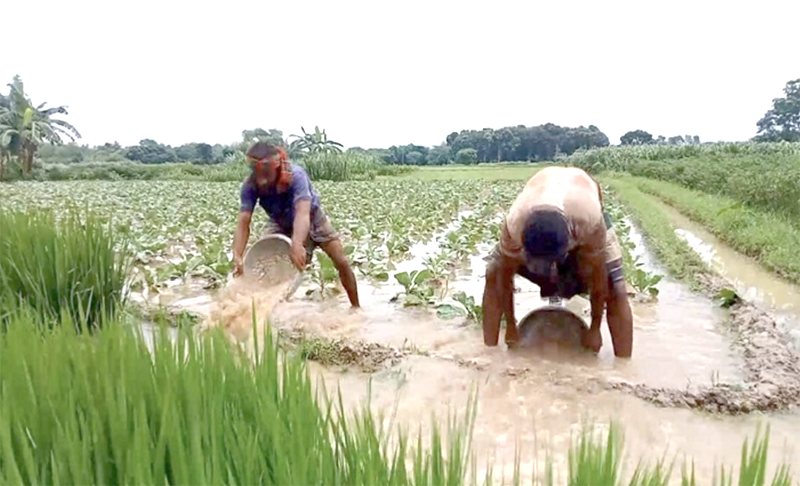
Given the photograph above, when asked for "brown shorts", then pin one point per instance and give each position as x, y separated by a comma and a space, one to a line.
320, 232
613, 257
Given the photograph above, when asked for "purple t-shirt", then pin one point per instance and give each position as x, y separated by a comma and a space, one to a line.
280, 207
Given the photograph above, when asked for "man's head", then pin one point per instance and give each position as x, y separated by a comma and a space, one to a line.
545, 238
269, 165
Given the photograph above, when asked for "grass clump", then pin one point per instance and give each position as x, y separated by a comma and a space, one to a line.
71, 264
100, 409
341, 166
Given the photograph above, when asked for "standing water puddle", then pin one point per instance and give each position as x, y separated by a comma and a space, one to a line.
751, 280
536, 402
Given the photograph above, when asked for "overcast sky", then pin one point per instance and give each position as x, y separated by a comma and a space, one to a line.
378, 73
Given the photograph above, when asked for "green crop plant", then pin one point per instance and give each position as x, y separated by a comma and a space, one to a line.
642, 281
417, 287
760, 174
324, 275
463, 305
103, 409
340, 166
62, 263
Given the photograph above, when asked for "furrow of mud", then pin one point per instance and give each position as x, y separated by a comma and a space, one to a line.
771, 364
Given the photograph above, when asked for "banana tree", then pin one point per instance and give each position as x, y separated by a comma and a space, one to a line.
27, 126
316, 141
5, 153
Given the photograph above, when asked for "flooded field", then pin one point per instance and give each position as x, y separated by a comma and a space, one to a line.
411, 359
691, 387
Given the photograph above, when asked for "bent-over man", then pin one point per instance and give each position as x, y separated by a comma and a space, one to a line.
557, 235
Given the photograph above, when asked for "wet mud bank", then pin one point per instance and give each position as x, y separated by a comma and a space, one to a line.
760, 333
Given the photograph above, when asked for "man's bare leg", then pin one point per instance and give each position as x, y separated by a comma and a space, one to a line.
335, 251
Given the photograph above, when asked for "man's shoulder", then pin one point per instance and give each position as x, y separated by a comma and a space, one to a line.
298, 171
247, 185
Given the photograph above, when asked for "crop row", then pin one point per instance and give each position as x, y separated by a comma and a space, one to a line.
182, 229
763, 175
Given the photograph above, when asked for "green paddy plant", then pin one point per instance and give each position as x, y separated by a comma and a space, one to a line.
108, 408
62, 263
105, 409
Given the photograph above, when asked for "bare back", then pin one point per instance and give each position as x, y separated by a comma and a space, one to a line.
572, 191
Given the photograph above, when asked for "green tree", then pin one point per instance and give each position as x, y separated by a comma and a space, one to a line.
467, 156
440, 155
150, 152
272, 135
782, 122
636, 137
25, 126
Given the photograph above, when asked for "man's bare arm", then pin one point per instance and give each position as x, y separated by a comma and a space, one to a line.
240, 237
302, 221
498, 295
598, 288
593, 271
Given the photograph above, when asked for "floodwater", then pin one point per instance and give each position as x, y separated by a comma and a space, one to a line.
525, 401
751, 280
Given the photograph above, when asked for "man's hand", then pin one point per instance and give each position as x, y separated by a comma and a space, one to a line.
298, 255
592, 339
238, 266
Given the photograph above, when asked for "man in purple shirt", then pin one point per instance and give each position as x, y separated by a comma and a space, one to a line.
285, 192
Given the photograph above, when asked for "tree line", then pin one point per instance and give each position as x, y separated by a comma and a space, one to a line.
30, 132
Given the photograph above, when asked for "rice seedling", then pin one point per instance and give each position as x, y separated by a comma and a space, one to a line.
102, 409
69, 263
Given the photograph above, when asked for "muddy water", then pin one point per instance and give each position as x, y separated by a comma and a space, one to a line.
527, 400
751, 280
544, 410
663, 333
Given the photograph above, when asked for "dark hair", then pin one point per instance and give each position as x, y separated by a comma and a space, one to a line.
262, 149
546, 234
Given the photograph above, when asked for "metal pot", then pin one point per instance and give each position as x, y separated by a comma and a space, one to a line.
551, 325
277, 248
